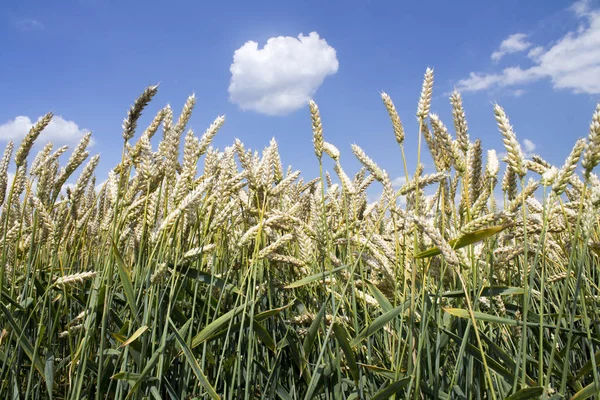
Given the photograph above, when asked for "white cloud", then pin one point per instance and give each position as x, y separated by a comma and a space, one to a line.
581, 7
513, 44
536, 52
571, 63
59, 131
509, 77
282, 76
399, 181
29, 24
528, 145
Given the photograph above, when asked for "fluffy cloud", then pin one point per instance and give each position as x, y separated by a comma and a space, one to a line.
571, 63
59, 131
513, 44
282, 76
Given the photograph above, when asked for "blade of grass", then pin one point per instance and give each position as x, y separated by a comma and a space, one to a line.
313, 278
23, 341
391, 389
194, 364
377, 324
465, 240
125, 280
342, 337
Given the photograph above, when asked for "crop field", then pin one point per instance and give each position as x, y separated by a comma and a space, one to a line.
199, 273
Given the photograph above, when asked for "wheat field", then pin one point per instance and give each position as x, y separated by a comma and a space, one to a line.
221, 274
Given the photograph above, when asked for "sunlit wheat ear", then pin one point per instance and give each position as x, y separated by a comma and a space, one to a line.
367, 162
20, 180
426, 92
527, 192
484, 221
188, 201
394, 117
558, 277
480, 202
4, 169
591, 157
275, 161
317, 128
492, 166
285, 183
186, 113
74, 278
160, 274
549, 177
566, 172
77, 158
515, 155
437, 239
458, 158
443, 141
194, 253
167, 121
364, 184
40, 159
460, 121
155, 124
45, 217
135, 112
32, 135
210, 133
595, 195
271, 163
361, 174
436, 153
82, 182
71, 331
474, 168
168, 149
509, 182
46, 180
424, 181
505, 254
148, 166
331, 151
275, 245
346, 182
250, 234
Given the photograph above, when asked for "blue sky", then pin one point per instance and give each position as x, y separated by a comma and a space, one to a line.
87, 61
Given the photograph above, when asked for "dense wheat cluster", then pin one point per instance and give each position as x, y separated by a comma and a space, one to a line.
222, 274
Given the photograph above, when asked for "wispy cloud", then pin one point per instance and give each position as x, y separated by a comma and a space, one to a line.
282, 76
399, 181
518, 92
513, 44
29, 24
528, 146
571, 63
